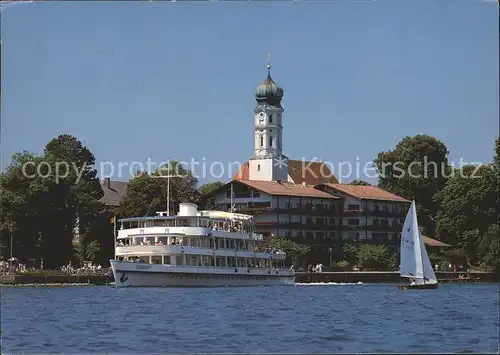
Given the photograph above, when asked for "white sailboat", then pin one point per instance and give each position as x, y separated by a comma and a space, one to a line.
414, 261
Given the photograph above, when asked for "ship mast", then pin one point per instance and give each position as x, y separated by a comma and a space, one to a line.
231, 208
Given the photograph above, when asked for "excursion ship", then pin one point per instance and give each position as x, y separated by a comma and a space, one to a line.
195, 248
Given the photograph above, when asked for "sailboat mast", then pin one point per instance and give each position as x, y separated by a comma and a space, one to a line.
421, 254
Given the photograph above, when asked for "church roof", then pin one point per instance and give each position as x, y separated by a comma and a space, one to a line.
269, 91
310, 173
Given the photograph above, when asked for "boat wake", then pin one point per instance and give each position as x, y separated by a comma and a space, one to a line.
328, 283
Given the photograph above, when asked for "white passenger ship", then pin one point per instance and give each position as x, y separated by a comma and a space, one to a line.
195, 248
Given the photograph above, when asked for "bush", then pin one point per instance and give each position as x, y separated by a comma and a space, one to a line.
341, 265
375, 257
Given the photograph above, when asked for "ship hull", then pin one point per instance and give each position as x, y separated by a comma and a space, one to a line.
429, 286
129, 274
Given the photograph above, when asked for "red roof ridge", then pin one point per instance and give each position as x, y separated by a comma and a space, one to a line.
366, 192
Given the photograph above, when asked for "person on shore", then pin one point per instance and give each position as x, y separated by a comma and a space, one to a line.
319, 267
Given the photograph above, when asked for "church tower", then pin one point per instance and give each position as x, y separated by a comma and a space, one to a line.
268, 162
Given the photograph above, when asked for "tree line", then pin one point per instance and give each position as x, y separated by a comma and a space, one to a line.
41, 210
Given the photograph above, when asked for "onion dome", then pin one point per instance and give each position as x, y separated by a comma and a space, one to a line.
269, 92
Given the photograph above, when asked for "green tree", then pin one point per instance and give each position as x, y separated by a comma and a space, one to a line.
359, 182
75, 191
88, 251
209, 187
497, 152
294, 251
46, 197
489, 249
417, 168
23, 201
375, 257
350, 253
147, 194
467, 206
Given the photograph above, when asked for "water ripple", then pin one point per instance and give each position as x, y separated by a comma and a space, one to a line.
317, 319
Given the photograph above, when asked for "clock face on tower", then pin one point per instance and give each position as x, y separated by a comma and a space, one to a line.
261, 116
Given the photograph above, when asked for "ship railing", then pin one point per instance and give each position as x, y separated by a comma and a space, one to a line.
208, 266
256, 236
268, 251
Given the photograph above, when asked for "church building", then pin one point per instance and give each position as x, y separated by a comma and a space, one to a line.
303, 200
269, 163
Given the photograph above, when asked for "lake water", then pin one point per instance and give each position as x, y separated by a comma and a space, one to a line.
301, 319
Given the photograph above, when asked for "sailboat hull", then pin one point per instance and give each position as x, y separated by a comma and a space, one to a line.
429, 286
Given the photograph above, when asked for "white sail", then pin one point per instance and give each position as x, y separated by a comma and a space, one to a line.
410, 251
429, 275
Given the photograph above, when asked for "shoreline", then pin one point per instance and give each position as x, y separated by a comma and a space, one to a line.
340, 277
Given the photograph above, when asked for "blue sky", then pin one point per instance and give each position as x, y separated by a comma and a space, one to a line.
138, 80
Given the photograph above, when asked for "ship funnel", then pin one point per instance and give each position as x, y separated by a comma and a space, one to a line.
188, 210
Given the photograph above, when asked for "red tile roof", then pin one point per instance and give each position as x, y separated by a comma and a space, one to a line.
243, 172
365, 192
287, 189
311, 173
434, 242
300, 171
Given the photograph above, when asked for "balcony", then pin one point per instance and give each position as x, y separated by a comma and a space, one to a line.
249, 208
352, 213
382, 213
310, 211
310, 226
389, 228
352, 227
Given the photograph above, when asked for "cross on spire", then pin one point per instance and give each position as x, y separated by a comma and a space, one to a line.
268, 62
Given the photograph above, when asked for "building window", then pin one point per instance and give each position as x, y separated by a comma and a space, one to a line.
353, 222
261, 141
258, 167
270, 141
353, 207
270, 118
